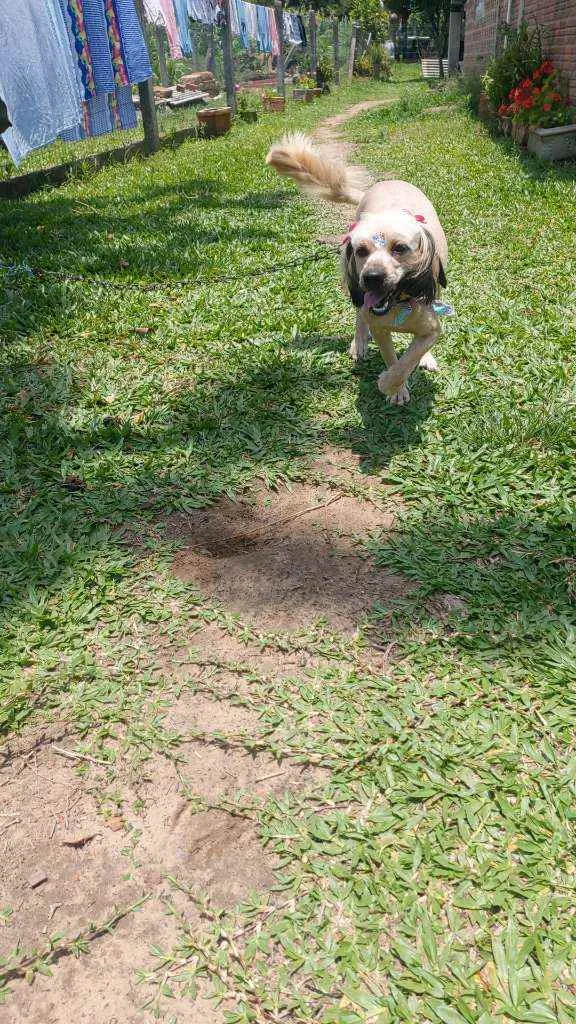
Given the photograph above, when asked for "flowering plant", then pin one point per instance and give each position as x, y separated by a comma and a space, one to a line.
540, 100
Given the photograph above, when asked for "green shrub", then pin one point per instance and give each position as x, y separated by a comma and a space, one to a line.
523, 53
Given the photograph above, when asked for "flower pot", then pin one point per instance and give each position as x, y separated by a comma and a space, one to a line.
248, 115
505, 125
316, 93
274, 103
553, 143
214, 121
519, 133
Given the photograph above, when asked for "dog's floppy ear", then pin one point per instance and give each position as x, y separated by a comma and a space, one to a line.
350, 276
426, 271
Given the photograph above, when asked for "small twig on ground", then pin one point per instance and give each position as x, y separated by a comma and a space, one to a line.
287, 519
9, 825
79, 757
271, 775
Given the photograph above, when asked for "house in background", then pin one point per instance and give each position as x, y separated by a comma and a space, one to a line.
485, 20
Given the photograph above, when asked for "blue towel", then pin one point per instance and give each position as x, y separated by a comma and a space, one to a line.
242, 23
133, 46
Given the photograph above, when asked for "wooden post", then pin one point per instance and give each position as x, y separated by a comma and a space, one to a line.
352, 53
149, 119
278, 14
313, 44
336, 48
147, 104
159, 35
210, 54
227, 56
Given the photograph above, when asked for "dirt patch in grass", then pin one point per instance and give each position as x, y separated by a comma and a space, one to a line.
289, 561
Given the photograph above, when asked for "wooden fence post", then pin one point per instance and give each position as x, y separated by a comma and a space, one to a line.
159, 35
149, 119
352, 52
313, 44
279, 15
227, 56
336, 47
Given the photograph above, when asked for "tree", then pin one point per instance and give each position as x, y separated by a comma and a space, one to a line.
435, 15
373, 18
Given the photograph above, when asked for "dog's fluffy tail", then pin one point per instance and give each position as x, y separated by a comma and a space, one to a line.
295, 157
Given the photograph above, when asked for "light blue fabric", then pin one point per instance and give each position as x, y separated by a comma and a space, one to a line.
181, 12
242, 23
404, 309
264, 38
134, 48
38, 80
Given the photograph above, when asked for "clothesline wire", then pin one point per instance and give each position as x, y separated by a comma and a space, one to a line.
38, 273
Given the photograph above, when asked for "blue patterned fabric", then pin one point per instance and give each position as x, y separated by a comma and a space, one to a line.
242, 23
133, 46
97, 32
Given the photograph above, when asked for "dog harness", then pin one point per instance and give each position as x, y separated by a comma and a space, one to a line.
402, 310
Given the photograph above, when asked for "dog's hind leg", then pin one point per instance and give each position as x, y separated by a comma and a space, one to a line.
359, 347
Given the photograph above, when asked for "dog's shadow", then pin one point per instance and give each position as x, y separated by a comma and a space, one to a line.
386, 429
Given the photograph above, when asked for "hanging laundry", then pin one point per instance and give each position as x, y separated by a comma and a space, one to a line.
153, 12
182, 22
291, 29
38, 79
264, 39
203, 11
91, 14
134, 49
171, 29
251, 21
273, 29
241, 19
302, 30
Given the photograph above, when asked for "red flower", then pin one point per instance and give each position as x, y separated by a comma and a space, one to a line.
547, 67
556, 97
546, 107
527, 104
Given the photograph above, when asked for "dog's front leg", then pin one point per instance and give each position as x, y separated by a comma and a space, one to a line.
359, 347
388, 353
393, 381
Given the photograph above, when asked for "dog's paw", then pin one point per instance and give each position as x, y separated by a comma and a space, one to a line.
358, 350
428, 363
401, 397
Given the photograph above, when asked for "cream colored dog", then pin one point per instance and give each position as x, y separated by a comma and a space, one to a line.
393, 259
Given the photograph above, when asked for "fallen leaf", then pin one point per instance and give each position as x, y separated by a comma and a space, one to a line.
115, 823
143, 330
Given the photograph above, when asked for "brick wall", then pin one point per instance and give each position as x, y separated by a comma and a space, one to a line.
482, 34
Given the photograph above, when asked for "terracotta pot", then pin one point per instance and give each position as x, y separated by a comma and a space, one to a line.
505, 125
214, 121
520, 133
274, 103
553, 143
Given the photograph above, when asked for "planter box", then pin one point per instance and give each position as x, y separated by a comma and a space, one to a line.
274, 103
553, 143
303, 95
248, 115
214, 121
316, 93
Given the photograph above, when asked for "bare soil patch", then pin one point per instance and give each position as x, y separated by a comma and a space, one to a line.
288, 563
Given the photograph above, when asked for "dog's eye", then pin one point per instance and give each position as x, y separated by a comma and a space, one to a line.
362, 252
400, 249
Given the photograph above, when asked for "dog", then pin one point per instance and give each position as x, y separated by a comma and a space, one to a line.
394, 258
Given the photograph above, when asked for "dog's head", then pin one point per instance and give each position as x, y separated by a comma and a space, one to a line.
391, 256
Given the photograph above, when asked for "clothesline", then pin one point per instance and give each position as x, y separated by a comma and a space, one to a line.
253, 24
67, 68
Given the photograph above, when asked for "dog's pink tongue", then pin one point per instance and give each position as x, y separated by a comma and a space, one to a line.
371, 299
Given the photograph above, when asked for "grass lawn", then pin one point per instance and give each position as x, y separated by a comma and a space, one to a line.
431, 874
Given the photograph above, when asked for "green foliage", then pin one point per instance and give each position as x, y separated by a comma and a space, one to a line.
372, 17
520, 57
375, 63
325, 70
434, 15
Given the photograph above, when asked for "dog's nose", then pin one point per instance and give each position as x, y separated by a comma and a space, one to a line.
372, 281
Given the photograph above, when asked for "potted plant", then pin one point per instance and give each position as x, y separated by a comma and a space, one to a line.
516, 62
214, 121
246, 107
539, 107
271, 101
306, 89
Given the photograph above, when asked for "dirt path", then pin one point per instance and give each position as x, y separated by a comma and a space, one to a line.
80, 839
